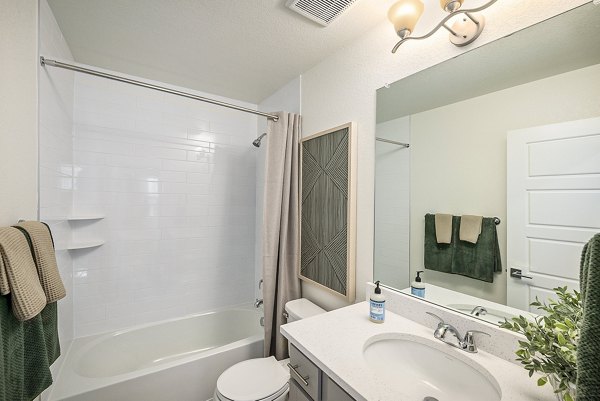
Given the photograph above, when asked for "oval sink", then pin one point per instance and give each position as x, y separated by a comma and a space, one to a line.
428, 369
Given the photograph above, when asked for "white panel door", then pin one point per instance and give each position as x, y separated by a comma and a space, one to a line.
553, 206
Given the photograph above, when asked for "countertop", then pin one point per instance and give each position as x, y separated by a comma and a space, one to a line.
334, 341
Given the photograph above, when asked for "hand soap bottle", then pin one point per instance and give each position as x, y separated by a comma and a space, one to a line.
417, 288
377, 305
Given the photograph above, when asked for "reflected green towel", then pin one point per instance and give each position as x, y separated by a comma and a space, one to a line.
478, 261
588, 349
28, 349
481, 260
438, 257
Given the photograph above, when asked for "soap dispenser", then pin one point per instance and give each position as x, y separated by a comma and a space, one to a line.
377, 305
417, 288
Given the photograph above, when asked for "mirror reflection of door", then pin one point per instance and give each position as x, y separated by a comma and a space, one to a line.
553, 193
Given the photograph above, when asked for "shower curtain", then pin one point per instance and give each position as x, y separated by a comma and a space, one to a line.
280, 227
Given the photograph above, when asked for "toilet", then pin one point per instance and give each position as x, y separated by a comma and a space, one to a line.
263, 379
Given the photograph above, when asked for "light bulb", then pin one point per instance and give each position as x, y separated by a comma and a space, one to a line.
404, 15
451, 5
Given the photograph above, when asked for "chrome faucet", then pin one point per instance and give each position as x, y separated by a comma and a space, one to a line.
466, 343
479, 311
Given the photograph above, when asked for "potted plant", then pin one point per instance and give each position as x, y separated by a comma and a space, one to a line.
550, 347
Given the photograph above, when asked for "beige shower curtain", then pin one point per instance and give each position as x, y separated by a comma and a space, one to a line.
280, 227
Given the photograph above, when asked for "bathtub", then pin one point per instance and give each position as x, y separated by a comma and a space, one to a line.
173, 360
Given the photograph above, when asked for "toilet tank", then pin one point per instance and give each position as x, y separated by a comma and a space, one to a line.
301, 309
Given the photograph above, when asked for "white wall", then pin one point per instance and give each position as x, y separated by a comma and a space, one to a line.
56, 158
175, 179
287, 98
392, 211
342, 88
460, 168
18, 110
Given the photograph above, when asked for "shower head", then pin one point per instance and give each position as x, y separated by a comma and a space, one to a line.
256, 142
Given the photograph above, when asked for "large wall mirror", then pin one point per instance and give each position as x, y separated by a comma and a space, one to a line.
510, 130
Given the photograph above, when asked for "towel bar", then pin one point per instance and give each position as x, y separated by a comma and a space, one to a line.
497, 220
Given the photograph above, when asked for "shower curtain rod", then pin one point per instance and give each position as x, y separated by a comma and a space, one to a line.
404, 145
53, 63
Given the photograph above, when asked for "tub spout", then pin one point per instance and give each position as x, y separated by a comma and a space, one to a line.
258, 303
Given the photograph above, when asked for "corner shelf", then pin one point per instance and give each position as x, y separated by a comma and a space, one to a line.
73, 246
77, 224
84, 217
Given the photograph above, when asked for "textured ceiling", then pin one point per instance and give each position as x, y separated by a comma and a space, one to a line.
243, 49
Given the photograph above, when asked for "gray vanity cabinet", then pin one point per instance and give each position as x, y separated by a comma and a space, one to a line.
296, 393
309, 383
305, 373
330, 391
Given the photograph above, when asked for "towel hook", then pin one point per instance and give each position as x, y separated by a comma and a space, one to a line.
497, 221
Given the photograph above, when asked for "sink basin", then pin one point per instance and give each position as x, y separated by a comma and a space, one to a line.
493, 315
424, 369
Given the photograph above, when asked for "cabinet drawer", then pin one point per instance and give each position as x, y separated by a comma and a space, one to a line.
296, 393
304, 372
333, 392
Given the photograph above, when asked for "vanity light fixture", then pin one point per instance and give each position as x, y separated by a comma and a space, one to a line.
405, 14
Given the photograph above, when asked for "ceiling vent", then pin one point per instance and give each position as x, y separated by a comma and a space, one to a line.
320, 11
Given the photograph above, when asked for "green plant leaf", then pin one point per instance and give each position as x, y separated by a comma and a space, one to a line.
542, 380
550, 345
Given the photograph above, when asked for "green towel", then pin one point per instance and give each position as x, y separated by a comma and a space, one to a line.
481, 260
438, 257
588, 349
28, 349
478, 261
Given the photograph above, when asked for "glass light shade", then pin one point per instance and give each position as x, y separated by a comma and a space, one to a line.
405, 14
451, 5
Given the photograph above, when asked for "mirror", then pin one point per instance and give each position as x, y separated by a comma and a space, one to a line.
472, 124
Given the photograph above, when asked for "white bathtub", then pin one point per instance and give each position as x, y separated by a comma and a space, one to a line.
174, 360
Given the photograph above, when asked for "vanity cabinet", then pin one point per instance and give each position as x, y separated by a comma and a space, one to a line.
309, 383
296, 393
330, 391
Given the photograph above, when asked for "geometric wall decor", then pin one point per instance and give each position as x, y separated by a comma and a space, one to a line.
328, 210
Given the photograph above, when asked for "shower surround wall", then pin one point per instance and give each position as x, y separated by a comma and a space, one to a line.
55, 100
175, 180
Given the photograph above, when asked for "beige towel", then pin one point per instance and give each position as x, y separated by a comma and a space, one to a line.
27, 296
4, 287
45, 259
470, 228
443, 228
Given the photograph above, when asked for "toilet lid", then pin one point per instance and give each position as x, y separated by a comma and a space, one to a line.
254, 379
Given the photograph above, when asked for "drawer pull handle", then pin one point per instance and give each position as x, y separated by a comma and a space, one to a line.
298, 375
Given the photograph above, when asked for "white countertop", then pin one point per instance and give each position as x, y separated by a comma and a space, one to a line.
334, 341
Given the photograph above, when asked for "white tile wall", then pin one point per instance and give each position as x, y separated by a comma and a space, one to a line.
392, 196
175, 179
56, 92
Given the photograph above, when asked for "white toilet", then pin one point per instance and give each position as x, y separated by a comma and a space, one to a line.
262, 379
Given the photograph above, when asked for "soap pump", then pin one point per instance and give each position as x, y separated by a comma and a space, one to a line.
417, 288
377, 305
